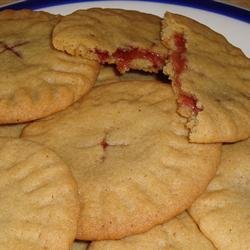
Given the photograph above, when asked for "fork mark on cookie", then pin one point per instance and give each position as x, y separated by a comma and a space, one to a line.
11, 48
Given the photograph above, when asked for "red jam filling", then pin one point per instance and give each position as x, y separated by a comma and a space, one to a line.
178, 60
178, 56
190, 102
104, 144
102, 55
124, 57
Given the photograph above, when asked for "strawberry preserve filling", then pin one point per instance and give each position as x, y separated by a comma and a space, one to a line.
179, 63
178, 56
189, 101
102, 55
104, 144
124, 57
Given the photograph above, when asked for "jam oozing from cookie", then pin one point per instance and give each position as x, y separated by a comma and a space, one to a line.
124, 57
11, 48
179, 62
189, 101
102, 55
178, 56
104, 144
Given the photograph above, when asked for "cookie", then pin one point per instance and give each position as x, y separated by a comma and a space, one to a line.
109, 74
37, 80
211, 79
38, 196
128, 150
179, 233
223, 211
128, 38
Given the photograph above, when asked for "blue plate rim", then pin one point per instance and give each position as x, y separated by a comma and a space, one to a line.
207, 5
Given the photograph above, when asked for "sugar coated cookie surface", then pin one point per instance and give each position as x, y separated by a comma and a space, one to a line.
38, 196
223, 211
179, 233
37, 80
211, 78
129, 153
130, 39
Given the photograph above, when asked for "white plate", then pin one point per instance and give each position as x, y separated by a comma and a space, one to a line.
236, 31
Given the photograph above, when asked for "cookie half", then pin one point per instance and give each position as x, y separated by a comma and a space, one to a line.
225, 206
211, 79
180, 232
128, 150
130, 39
38, 196
37, 80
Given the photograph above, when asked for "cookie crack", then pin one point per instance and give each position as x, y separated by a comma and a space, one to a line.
11, 48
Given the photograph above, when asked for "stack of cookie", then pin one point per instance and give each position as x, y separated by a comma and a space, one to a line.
154, 158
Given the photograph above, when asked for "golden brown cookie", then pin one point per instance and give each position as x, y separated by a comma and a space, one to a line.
180, 233
129, 153
37, 80
130, 39
38, 196
223, 211
211, 79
